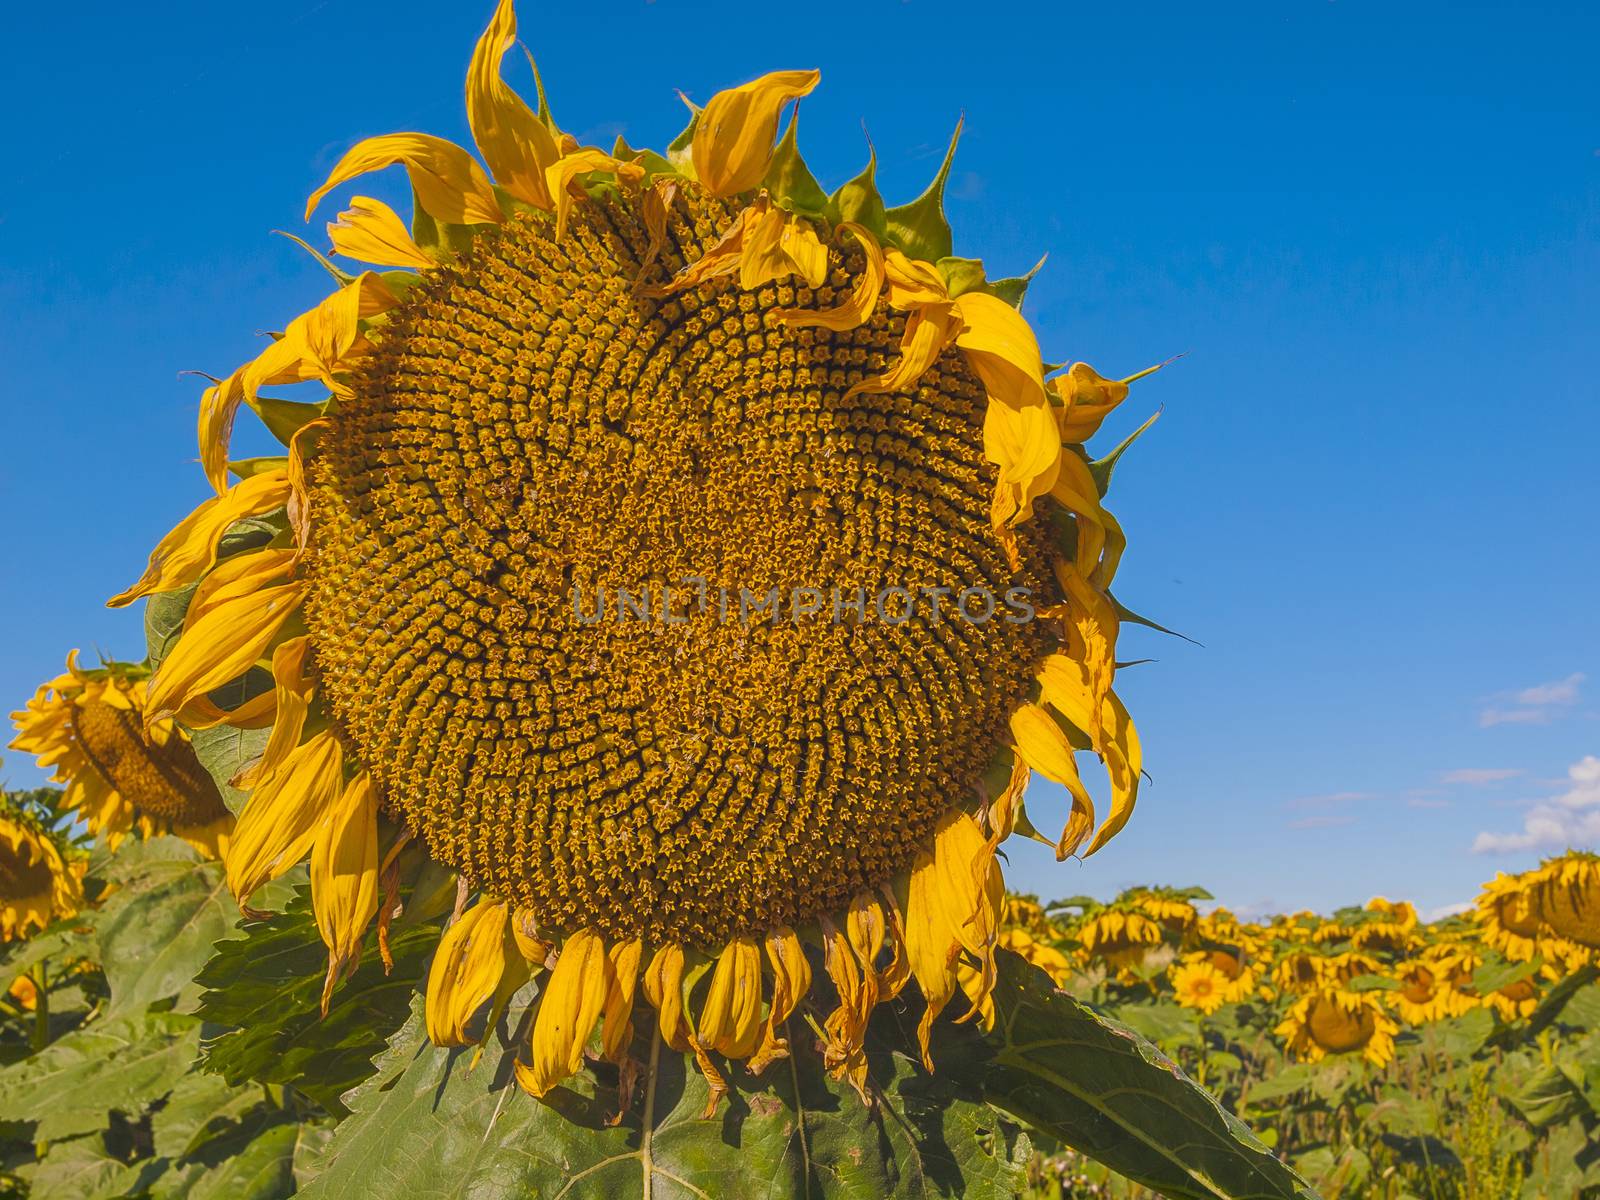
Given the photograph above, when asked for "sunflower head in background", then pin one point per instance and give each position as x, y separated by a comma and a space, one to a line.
1120, 936
122, 772
41, 880
1334, 1021
1199, 985
1564, 894
606, 569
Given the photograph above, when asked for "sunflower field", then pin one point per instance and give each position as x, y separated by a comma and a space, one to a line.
579, 762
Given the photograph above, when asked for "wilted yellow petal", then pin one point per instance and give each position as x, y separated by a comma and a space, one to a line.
370, 231
1044, 747
791, 979
560, 175
190, 549
1001, 349
291, 693
730, 1019
735, 132
450, 185
616, 1026
220, 647
573, 1000
466, 970
282, 816
663, 987
344, 878
516, 144
863, 297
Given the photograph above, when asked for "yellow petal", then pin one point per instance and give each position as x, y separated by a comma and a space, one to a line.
735, 132
663, 987
281, 819
190, 549
370, 231
791, 979
226, 642
616, 1026
1024, 445
344, 878
232, 578
573, 1000
1124, 763
291, 694
863, 297
1087, 398
1074, 489
466, 970
560, 176
1002, 350
450, 185
1044, 747
516, 144
730, 1019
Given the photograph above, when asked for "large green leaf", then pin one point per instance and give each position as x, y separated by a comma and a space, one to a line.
257, 1164
265, 989
428, 1127
1100, 1088
158, 927
73, 1085
81, 1168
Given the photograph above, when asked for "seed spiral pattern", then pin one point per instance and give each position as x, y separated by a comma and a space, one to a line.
162, 781
528, 425
20, 876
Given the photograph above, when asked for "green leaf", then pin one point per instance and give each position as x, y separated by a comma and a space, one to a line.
921, 228
283, 418
81, 1168
1463, 1036
62, 942
259, 1167
789, 179
1161, 1023
859, 200
157, 928
1552, 1094
1497, 974
1103, 1090
428, 1127
265, 988
1374, 983
73, 1085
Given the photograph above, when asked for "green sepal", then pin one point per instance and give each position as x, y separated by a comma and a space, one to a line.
1013, 289
920, 228
859, 200
1124, 613
543, 111
1101, 468
285, 418
249, 468
653, 163
962, 275
679, 149
790, 182
326, 263
440, 236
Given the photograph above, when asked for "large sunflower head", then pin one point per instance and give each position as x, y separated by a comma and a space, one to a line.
121, 771
698, 562
1564, 893
40, 880
1335, 1021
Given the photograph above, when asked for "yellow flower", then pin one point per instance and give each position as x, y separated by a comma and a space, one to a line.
1335, 1021
1046, 957
121, 770
1426, 994
37, 884
1565, 894
1200, 985
1119, 938
592, 574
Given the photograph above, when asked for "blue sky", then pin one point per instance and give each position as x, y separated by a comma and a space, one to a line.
1373, 490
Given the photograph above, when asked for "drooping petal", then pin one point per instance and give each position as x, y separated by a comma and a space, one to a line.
730, 1019
735, 132
561, 175
863, 297
282, 816
572, 1002
191, 548
372, 232
616, 1027
791, 979
220, 647
1002, 349
1045, 748
450, 185
466, 970
344, 878
516, 144
663, 987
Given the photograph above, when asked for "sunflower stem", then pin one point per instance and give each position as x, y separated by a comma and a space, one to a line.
41, 1008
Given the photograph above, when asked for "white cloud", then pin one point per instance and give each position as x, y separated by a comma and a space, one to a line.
1478, 776
1445, 910
1570, 819
1563, 691
1534, 705
1326, 821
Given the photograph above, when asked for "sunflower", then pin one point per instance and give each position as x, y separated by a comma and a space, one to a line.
38, 883
1171, 913
1336, 1021
1565, 894
1386, 927
122, 771
1425, 995
1118, 937
1515, 1000
698, 563
1236, 978
1042, 955
1200, 985
1507, 919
